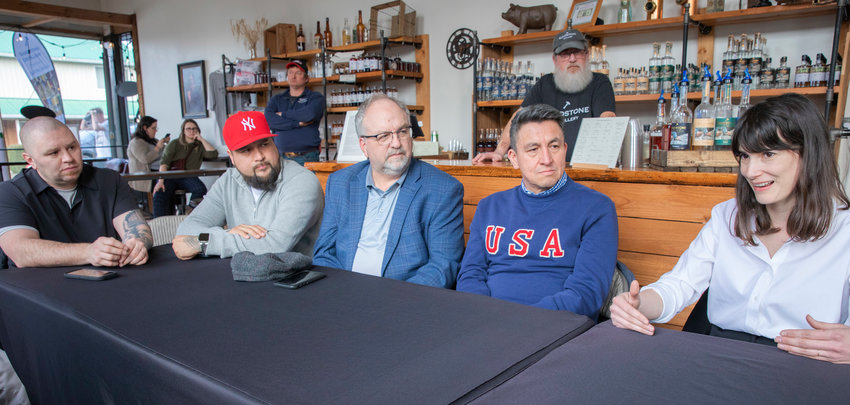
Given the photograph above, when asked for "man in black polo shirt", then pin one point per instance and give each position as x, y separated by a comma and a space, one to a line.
60, 212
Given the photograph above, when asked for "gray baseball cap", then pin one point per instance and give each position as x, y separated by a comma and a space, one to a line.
567, 39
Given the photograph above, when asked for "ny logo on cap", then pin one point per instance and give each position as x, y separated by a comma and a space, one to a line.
248, 124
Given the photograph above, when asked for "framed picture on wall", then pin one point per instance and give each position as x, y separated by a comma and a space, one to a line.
193, 89
583, 12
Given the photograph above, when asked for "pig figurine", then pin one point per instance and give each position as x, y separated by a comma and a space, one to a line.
531, 17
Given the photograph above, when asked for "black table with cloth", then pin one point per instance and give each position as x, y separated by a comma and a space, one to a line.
606, 365
185, 332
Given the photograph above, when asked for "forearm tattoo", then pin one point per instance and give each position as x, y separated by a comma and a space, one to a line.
135, 226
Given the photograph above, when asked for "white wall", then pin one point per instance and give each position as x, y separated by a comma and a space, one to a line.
177, 31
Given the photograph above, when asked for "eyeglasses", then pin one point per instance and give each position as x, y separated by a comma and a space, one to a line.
578, 53
385, 137
191, 129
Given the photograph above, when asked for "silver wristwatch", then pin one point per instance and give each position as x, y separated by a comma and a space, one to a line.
204, 239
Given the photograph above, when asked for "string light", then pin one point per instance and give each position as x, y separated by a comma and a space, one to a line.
20, 37
63, 53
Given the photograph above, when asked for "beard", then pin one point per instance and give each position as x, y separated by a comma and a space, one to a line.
398, 166
265, 183
572, 82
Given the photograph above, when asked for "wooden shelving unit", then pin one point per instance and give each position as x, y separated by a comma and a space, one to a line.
412, 108
494, 114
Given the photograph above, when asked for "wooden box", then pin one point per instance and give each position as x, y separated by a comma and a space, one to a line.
694, 160
398, 26
280, 39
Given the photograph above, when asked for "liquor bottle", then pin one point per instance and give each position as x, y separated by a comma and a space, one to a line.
625, 14
300, 40
619, 83
718, 83
837, 69
729, 56
644, 142
479, 145
801, 73
818, 74
318, 38
642, 82
657, 129
674, 102
681, 120
631, 82
767, 75
603, 66
329, 36
594, 60
782, 78
703, 138
655, 69
745, 95
361, 29
724, 121
667, 68
756, 61
742, 62
346, 33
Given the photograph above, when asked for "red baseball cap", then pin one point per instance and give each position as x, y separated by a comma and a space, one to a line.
245, 127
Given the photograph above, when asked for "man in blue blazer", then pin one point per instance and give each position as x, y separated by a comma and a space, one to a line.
392, 215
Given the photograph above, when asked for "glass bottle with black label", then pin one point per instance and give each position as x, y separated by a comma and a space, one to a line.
783, 74
681, 120
801, 73
300, 40
767, 72
703, 138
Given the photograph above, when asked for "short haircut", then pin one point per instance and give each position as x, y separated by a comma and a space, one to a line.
789, 122
39, 125
535, 113
361, 111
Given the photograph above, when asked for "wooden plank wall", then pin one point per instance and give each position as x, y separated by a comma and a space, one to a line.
657, 221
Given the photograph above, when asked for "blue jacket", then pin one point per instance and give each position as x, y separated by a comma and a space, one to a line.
425, 241
308, 107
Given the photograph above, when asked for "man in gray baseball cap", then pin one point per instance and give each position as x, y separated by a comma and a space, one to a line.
572, 88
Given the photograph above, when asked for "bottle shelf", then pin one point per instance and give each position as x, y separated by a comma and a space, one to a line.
412, 108
363, 77
772, 13
250, 88
693, 95
360, 46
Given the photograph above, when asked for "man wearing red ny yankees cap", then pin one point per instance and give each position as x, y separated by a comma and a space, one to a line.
264, 204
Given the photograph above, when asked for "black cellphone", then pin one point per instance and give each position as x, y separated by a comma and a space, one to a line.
91, 274
167, 136
299, 279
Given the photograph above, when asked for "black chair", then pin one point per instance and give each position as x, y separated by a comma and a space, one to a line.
698, 319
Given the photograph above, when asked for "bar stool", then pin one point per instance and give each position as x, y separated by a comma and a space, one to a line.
180, 202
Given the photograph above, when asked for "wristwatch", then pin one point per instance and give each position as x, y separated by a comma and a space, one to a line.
204, 239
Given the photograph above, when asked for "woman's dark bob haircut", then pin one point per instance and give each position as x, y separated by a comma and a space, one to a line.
789, 122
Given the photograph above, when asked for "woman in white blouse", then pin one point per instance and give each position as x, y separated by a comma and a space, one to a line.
777, 257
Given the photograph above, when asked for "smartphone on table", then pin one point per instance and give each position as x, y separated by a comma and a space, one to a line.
299, 279
91, 274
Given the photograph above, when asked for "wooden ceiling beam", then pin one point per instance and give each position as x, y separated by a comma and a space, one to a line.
40, 21
78, 15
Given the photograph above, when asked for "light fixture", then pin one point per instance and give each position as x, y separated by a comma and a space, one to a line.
63, 53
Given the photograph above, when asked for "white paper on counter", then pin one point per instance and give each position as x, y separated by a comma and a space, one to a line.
599, 141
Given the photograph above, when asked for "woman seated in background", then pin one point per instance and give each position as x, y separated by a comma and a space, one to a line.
187, 153
144, 152
777, 256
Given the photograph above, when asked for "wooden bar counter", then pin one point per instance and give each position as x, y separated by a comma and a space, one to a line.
659, 213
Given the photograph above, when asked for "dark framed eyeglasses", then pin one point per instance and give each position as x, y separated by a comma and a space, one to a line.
385, 137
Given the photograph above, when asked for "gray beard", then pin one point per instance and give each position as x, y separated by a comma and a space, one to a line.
572, 82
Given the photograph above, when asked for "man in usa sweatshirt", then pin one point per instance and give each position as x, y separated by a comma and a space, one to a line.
549, 242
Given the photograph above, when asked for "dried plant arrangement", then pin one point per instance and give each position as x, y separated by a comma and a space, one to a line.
249, 34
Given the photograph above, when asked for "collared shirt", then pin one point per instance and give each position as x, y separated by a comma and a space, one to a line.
753, 292
376, 226
556, 187
28, 202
